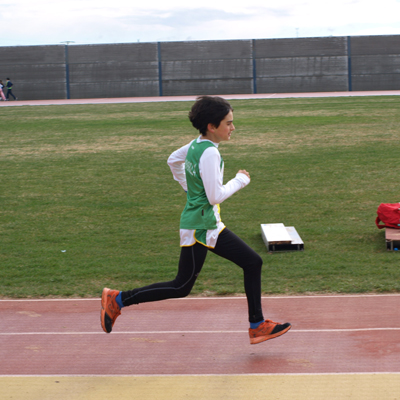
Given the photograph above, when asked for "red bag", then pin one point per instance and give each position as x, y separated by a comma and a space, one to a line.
389, 214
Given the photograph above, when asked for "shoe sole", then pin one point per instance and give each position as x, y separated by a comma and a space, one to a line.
103, 314
261, 339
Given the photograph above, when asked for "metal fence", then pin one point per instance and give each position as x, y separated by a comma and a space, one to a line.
203, 67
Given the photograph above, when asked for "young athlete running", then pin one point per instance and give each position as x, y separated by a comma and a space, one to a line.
199, 169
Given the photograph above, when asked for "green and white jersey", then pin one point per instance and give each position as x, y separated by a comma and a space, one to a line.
199, 215
199, 168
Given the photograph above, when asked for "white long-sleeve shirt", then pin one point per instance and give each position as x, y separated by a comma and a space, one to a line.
212, 176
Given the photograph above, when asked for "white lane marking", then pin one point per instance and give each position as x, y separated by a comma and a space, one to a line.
200, 375
327, 296
196, 332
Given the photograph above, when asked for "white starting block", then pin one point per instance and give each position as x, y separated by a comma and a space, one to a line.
278, 237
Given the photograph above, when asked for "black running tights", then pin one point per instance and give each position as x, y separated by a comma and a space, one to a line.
191, 261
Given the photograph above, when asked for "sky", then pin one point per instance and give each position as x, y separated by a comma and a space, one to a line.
48, 22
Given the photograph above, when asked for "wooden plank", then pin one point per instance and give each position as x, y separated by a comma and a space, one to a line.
392, 234
392, 237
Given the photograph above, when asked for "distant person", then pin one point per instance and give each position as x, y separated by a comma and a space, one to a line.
199, 168
9, 86
1, 91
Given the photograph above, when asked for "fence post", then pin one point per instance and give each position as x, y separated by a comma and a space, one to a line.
67, 71
66, 59
349, 62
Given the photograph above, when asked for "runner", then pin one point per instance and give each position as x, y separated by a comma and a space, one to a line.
199, 168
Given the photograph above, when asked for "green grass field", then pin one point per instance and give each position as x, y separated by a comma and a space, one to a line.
87, 199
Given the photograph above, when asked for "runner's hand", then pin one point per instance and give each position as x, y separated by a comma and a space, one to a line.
243, 171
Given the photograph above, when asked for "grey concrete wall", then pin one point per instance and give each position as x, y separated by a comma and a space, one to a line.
375, 62
207, 67
301, 65
37, 72
113, 70
203, 67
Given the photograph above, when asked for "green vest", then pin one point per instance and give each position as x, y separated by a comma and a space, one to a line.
198, 213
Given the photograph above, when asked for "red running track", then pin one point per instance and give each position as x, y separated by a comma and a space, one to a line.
199, 335
192, 98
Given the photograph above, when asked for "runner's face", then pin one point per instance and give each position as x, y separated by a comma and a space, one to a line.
225, 129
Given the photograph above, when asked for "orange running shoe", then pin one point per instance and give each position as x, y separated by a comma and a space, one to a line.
268, 330
109, 309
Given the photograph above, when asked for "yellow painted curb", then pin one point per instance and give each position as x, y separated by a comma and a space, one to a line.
204, 387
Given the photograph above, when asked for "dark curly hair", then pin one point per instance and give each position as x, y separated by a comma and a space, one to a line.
208, 110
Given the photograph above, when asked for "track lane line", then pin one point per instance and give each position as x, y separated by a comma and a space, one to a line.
326, 296
196, 332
